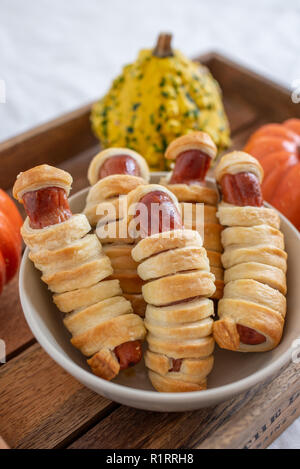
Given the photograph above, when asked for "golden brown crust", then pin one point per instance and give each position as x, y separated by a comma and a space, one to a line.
238, 162
191, 211
194, 331
212, 237
114, 232
39, 177
100, 158
256, 292
164, 384
84, 297
189, 311
73, 265
80, 251
232, 215
192, 371
264, 254
55, 236
104, 364
173, 261
226, 334
137, 302
129, 280
197, 193
112, 209
82, 275
191, 141
219, 284
120, 256
134, 197
178, 287
106, 198
176, 268
113, 186
263, 273
214, 258
164, 241
110, 334
91, 316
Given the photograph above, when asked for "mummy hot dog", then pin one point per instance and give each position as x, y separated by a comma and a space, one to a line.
175, 267
113, 173
74, 267
253, 308
193, 154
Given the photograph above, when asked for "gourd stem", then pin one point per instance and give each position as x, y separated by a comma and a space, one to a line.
163, 46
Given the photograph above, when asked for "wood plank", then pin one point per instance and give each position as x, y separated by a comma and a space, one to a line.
263, 419
240, 113
265, 95
42, 406
222, 426
242, 136
53, 142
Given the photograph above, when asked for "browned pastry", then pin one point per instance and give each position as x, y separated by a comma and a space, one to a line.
77, 271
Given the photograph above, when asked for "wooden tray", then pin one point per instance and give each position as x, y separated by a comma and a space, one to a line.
41, 406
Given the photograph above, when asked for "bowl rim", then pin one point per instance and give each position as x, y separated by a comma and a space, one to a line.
220, 393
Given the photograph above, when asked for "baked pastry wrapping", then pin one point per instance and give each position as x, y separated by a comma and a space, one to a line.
252, 310
106, 207
175, 268
76, 270
187, 183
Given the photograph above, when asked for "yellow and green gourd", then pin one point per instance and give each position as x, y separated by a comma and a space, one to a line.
159, 97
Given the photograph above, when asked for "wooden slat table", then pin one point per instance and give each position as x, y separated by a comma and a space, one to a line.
41, 406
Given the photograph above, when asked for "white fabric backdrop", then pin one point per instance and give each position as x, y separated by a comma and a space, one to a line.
56, 55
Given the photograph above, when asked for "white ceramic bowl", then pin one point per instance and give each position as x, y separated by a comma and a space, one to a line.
233, 372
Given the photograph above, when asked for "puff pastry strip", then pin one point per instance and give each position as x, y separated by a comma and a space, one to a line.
196, 193
262, 253
232, 215
252, 236
73, 265
105, 195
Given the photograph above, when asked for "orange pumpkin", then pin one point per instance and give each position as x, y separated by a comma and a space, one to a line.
10, 239
277, 147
